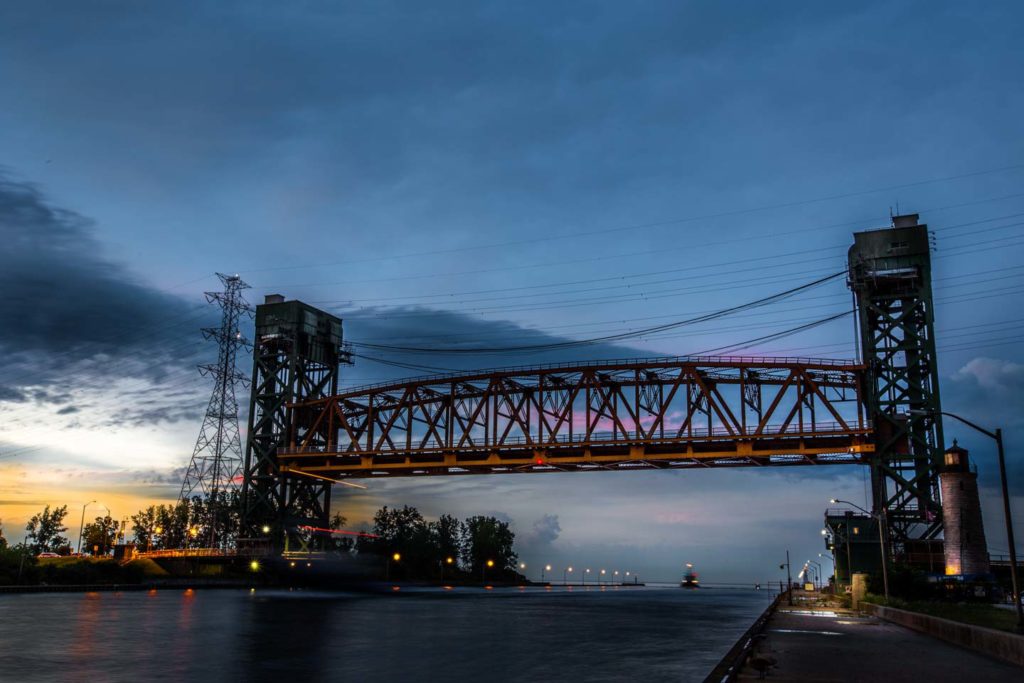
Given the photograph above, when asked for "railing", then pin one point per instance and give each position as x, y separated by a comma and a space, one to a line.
619, 437
840, 363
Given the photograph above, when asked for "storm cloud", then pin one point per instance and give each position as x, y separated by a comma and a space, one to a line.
68, 309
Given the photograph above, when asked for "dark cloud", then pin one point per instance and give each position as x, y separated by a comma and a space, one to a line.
12, 394
70, 310
68, 410
419, 327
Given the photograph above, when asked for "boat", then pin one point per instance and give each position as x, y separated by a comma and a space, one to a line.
689, 578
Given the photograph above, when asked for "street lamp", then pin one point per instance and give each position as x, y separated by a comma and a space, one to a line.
833, 559
394, 558
997, 435
585, 577
819, 572
564, 579
483, 570
447, 560
81, 526
546, 568
882, 523
600, 578
789, 578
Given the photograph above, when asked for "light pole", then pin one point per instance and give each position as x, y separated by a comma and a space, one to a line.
997, 435
447, 560
483, 570
387, 572
819, 572
789, 579
833, 560
600, 579
587, 571
565, 580
882, 523
81, 526
545, 568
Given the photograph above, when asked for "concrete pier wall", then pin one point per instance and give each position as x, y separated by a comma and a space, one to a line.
999, 644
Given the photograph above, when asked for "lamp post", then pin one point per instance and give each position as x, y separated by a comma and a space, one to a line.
585, 572
447, 560
81, 526
565, 580
387, 572
545, 568
789, 578
997, 435
882, 523
600, 579
818, 573
483, 570
833, 559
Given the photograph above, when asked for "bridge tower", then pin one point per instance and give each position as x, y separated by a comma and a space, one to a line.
296, 354
890, 276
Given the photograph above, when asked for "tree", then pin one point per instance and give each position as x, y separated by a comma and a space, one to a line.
146, 528
173, 522
3, 541
98, 537
340, 542
46, 529
488, 538
447, 533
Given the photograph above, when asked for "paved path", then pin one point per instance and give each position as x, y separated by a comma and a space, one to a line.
820, 644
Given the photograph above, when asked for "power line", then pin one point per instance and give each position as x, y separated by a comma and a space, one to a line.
613, 337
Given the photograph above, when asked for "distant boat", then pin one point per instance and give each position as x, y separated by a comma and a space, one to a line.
689, 578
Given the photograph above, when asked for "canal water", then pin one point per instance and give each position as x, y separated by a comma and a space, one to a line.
532, 634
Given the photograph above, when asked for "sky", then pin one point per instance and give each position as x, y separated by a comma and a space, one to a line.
449, 174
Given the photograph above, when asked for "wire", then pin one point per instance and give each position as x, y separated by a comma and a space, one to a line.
614, 337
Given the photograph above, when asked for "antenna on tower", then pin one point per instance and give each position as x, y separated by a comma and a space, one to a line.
215, 468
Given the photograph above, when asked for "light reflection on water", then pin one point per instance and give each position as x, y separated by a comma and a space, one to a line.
648, 634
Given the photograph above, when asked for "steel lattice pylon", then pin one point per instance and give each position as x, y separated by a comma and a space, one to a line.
890, 275
216, 462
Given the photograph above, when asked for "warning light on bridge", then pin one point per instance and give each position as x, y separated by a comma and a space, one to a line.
254, 565
539, 461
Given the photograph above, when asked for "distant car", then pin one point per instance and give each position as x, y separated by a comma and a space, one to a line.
47, 555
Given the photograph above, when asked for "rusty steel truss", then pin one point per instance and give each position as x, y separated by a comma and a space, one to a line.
614, 415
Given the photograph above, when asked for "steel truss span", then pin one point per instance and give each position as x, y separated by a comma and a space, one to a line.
612, 415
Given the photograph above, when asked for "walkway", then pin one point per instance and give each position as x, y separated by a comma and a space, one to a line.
822, 644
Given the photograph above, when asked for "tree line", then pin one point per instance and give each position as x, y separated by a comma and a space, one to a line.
479, 545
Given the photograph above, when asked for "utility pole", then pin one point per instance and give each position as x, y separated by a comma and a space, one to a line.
217, 457
789, 580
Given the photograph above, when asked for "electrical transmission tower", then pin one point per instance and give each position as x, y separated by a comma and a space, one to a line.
217, 458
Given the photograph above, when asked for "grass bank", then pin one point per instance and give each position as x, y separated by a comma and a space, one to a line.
977, 614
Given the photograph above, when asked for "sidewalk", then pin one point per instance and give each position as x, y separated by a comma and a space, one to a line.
824, 644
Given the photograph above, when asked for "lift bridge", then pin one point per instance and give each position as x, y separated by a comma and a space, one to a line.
879, 411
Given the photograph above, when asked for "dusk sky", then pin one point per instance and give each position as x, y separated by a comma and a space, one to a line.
495, 173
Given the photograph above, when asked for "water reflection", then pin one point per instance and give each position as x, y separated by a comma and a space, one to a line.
299, 636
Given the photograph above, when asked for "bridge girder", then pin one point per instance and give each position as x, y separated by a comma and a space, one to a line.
616, 415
